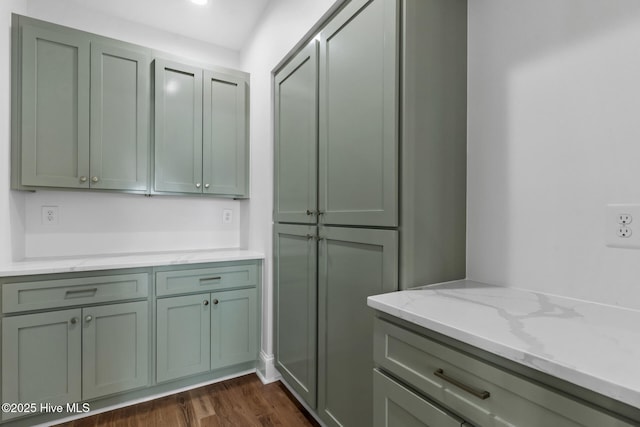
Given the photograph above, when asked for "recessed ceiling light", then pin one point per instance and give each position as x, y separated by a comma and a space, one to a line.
200, 2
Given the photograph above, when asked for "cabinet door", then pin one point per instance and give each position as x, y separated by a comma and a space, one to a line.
115, 348
234, 329
178, 127
397, 406
296, 139
295, 281
359, 115
41, 359
183, 336
225, 151
55, 108
353, 264
119, 118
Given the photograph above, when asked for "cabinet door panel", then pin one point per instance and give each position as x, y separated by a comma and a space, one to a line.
233, 327
115, 348
178, 127
119, 118
397, 406
183, 336
295, 269
296, 138
225, 150
353, 264
358, 116
55, 108
41, 359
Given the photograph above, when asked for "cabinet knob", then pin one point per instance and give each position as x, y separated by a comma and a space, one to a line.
310, 236
206, 186
198, 185
215, 301
309, 213
83, 179
94, 179
88, 319
205, 302
73, 320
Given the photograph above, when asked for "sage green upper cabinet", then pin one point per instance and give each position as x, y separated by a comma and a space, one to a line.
358, 114
178, 127
119, 118
83, 109
225, 151
296, 138
201, 134
352, 265
54, 87
295, 307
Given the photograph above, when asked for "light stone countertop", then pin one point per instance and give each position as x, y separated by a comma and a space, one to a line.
112, 262
593, 345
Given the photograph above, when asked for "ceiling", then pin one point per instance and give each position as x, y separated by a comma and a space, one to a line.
226, 23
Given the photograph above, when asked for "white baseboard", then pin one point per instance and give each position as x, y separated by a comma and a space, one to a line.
267, 371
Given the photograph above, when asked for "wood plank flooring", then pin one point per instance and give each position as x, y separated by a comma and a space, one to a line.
240, 402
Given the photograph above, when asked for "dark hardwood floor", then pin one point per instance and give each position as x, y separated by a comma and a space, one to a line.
242, 401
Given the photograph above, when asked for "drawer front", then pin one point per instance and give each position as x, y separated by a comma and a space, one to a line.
458, 382
46, 294
206, 279
396, 406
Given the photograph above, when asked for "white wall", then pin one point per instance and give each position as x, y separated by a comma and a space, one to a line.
92, 223
11, 203
554, 136
282, 26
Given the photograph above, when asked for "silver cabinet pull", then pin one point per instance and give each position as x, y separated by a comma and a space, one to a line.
207, 186
481, 394
73, 320
83, 179
310, 236
89, 318
78, 293
198, 185
94, 179
215, 301
205, 302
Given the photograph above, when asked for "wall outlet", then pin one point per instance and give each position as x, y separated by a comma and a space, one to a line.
619, 226
50, 215
227, 216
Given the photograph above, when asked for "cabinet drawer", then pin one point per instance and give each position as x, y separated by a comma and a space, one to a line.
46, 294
206, 279
396, 406
457, 380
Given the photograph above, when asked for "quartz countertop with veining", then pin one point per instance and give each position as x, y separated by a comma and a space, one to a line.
111, 262
593, 345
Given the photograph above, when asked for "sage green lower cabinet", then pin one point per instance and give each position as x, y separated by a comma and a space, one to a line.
203, 332
394, 405
295, 281
352, 265
66, 356
42, 358
115, 348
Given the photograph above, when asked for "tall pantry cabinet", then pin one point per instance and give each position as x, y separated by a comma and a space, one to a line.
370, 158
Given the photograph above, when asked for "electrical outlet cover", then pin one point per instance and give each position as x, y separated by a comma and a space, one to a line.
620, 229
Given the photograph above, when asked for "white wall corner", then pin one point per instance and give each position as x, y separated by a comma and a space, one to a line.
267, 371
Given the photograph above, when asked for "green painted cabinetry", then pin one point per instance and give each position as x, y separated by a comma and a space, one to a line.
80, 107
296, 139
352, 265
370, 143
295, 311
71, 355
201, 136
358, 170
